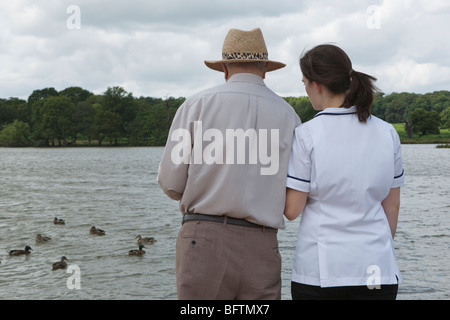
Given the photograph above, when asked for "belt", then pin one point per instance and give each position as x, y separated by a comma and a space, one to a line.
222, 219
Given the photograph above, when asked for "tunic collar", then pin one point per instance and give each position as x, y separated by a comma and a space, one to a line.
337, 111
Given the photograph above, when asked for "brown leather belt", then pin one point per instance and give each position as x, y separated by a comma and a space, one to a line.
222, 219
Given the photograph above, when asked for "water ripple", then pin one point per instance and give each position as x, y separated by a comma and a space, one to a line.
115, 189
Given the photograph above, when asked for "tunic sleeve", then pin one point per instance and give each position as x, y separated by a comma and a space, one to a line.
399, 172
299, 170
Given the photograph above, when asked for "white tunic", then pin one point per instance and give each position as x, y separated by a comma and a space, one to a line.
348, 169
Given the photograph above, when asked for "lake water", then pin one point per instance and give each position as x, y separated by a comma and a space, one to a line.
115, 189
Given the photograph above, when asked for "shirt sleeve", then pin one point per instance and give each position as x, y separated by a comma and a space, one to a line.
399, 172
299, 170
174, 166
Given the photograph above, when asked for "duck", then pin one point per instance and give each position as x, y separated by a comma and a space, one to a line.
97, 231
58, 221
61, 264
139, 252
20, 252
141, 240
40, 238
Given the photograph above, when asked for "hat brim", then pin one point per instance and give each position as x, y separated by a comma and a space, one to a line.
217, 65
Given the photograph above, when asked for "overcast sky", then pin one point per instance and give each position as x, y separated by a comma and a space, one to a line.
156, 48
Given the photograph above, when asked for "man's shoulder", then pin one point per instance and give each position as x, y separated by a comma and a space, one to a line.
205, 93
223, 92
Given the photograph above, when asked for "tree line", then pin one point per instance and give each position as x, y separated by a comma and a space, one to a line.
116, 117
77, 116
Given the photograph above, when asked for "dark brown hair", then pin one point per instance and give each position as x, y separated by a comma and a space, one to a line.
330, 66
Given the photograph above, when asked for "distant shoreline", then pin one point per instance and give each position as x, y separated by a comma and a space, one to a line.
444, 143
442, 140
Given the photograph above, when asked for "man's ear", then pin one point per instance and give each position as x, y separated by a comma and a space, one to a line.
225, 71
265, 71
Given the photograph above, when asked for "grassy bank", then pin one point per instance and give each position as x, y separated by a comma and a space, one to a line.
443, 138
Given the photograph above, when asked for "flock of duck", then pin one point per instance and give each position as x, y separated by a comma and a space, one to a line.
62, 264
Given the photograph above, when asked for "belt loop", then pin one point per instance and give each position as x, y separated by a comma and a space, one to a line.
225, 220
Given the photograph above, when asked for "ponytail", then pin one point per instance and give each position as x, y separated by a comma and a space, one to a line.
360, 93
330, 66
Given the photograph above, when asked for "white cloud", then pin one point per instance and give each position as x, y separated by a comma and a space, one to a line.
157, 48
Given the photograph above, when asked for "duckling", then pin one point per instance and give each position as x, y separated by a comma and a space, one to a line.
141, 240
139, 252
61, 264
20, 252
97, 231
58, 221
40, 238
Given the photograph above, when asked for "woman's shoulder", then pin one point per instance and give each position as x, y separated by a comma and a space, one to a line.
386, 127
306, 127
381, 123
303, 133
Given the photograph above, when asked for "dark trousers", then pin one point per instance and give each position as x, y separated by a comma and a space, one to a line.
306, 292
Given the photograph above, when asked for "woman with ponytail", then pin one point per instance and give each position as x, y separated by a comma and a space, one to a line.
345, 174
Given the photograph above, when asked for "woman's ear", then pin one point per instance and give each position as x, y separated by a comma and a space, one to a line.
317, 87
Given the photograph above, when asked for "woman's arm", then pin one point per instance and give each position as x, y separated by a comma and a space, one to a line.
295, 203
391, 206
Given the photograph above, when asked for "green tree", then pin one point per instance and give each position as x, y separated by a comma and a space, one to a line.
379, 107
399, 106
7, 113
122, 105
52, 118
145, 124
445, 117
151, 122
76, 94
439, 100
106, 125
42, 94
16, 134
422, 102
22, 109
303, 107
83, 118
395, 110
425, 122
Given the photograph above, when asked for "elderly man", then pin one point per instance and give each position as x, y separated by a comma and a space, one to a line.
226, 161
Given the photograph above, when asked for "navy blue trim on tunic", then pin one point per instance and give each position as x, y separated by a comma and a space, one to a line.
308, 181
403, 171
333, 114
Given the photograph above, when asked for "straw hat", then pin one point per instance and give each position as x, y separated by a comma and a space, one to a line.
244, 46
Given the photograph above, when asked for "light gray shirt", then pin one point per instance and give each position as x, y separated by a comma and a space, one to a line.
228, 150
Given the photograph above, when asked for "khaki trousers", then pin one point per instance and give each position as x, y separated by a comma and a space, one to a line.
227, 262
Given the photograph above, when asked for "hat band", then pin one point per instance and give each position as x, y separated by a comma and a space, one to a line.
244, 56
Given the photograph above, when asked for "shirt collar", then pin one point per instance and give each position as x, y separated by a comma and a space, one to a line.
247, 77
337, 111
